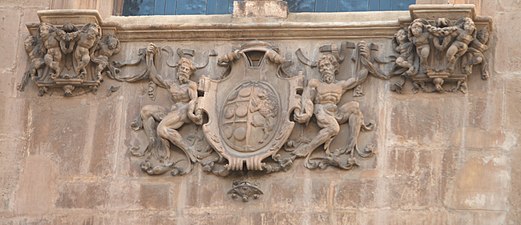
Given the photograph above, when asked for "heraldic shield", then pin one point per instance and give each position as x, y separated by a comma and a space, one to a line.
249, 108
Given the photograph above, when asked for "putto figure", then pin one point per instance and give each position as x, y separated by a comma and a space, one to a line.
107, 46
320, 98
87, 38
61, 57
443, 53
51, 42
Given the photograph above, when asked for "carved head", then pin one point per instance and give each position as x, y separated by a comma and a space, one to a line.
468, 25
416, 28
29, 43
328, 67
401, 36
69, 28
45, 29
92, 30
185, 69
442, 22
482, 36
112, 42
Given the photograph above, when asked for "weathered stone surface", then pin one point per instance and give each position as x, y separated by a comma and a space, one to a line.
351, 194
155, 196
480, 182
260, 9
441, 159
83, 195
507, 58
60, 132
9, 21
37, 187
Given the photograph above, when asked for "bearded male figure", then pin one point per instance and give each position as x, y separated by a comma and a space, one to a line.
161, 124
320, 98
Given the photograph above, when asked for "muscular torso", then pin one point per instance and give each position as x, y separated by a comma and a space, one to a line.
328, 93
180, 93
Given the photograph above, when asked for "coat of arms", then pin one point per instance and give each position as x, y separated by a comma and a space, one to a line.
249, 109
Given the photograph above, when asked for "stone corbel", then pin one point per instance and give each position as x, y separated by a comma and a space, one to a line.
438, 46
69, 49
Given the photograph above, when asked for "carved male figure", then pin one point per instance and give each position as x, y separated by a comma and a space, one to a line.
51, 42
87, 38
320, 98
108, 46
167, 121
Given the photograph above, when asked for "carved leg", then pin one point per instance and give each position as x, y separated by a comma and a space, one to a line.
484, 69
167, 131
330, 129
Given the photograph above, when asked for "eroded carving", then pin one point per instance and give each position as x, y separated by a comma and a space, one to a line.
62, 56
246, 113
245, 191
434, 53
161, 124
320, 98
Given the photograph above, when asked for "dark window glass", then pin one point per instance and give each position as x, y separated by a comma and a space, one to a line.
201, 7
176, 7
347, 5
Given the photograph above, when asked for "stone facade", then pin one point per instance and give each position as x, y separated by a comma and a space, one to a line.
440, 158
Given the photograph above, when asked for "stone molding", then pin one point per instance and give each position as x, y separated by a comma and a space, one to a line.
243, 119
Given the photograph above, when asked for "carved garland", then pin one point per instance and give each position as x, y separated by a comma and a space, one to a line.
247, 118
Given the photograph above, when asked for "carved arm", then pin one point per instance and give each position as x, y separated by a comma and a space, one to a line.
304, 113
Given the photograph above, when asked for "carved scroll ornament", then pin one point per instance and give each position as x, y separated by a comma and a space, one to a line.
69, 57
433, 53
247, 114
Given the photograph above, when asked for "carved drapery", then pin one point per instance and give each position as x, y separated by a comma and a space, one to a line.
253, 112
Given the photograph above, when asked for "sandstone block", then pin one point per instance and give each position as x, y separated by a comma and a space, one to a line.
350, 194
83, 195
37, 185
507, 60
479, 182
9, 24
155, 196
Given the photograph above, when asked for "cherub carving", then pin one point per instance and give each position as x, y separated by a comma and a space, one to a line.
403, 46
107, 46
464, 35
33, 47
87, 38
475, 54
51, 42
421, 39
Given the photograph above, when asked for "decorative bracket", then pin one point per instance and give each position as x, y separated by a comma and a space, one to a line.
69, 49
438, 47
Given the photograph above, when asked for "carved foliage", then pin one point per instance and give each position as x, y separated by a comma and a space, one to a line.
69, 57
432, 53
246, 114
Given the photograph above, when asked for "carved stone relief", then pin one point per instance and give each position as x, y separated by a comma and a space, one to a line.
254, 113
434, 53
69, 57
247, 114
